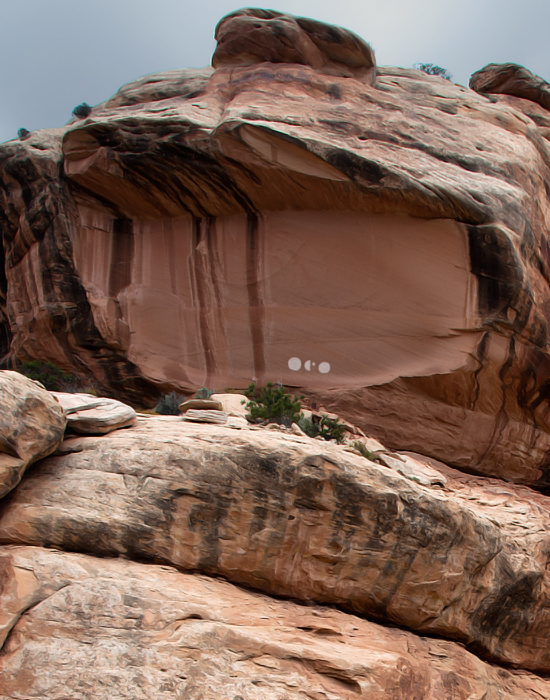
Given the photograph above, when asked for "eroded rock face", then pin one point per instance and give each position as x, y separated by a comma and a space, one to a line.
380, 244
511, 79
465, 558
250, 36
137, 631
32, 424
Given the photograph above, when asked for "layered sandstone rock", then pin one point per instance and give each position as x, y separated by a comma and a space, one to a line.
511, 79
380, 243
32, 424
135, 631
464, 558
96, 415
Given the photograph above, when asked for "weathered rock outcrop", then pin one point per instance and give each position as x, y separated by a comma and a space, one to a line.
511, 79
96, 415
32, 424
300, 518
379, 242
141, 632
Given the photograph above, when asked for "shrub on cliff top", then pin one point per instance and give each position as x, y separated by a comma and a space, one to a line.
82, 111
432, 69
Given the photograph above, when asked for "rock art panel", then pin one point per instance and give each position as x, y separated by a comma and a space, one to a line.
138, 631
314, 298
375, 239
464, 558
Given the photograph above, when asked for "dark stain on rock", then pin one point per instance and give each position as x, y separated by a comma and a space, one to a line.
254, 270
122, 253
360, 170
509, 612
334, 92
308, 494
500, 282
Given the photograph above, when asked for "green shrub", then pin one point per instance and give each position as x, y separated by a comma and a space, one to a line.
82, 111
50, 376
360, 447
272, 404
168, 404
204, 393
432, 69
325, 427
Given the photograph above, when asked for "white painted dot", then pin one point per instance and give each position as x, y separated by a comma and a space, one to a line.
324, 367
294, 363
307, 365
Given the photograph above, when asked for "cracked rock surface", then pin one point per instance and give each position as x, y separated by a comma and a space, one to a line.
297, 517
83, 627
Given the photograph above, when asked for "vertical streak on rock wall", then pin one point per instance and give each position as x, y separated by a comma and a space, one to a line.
255, 301
122, 253
120, 273
208, 278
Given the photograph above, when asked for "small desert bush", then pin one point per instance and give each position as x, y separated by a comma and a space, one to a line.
204, 393
82, 111
325, 427
272, 404
432, 69
168, 404
362, 448
50, 376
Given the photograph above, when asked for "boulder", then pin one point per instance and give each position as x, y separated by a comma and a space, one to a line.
252, 35
81, 627
32, 424
460, 557
232, 404
200, 404
511, 79
197, 416
90, 414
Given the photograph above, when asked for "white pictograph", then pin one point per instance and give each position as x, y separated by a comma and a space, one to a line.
295, 364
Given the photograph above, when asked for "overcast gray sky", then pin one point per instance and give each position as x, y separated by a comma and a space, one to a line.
56, 54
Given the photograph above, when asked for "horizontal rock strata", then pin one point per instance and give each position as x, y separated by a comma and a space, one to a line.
299, 517
137, 631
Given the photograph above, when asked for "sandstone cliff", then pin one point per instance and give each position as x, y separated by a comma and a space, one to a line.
377, 239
